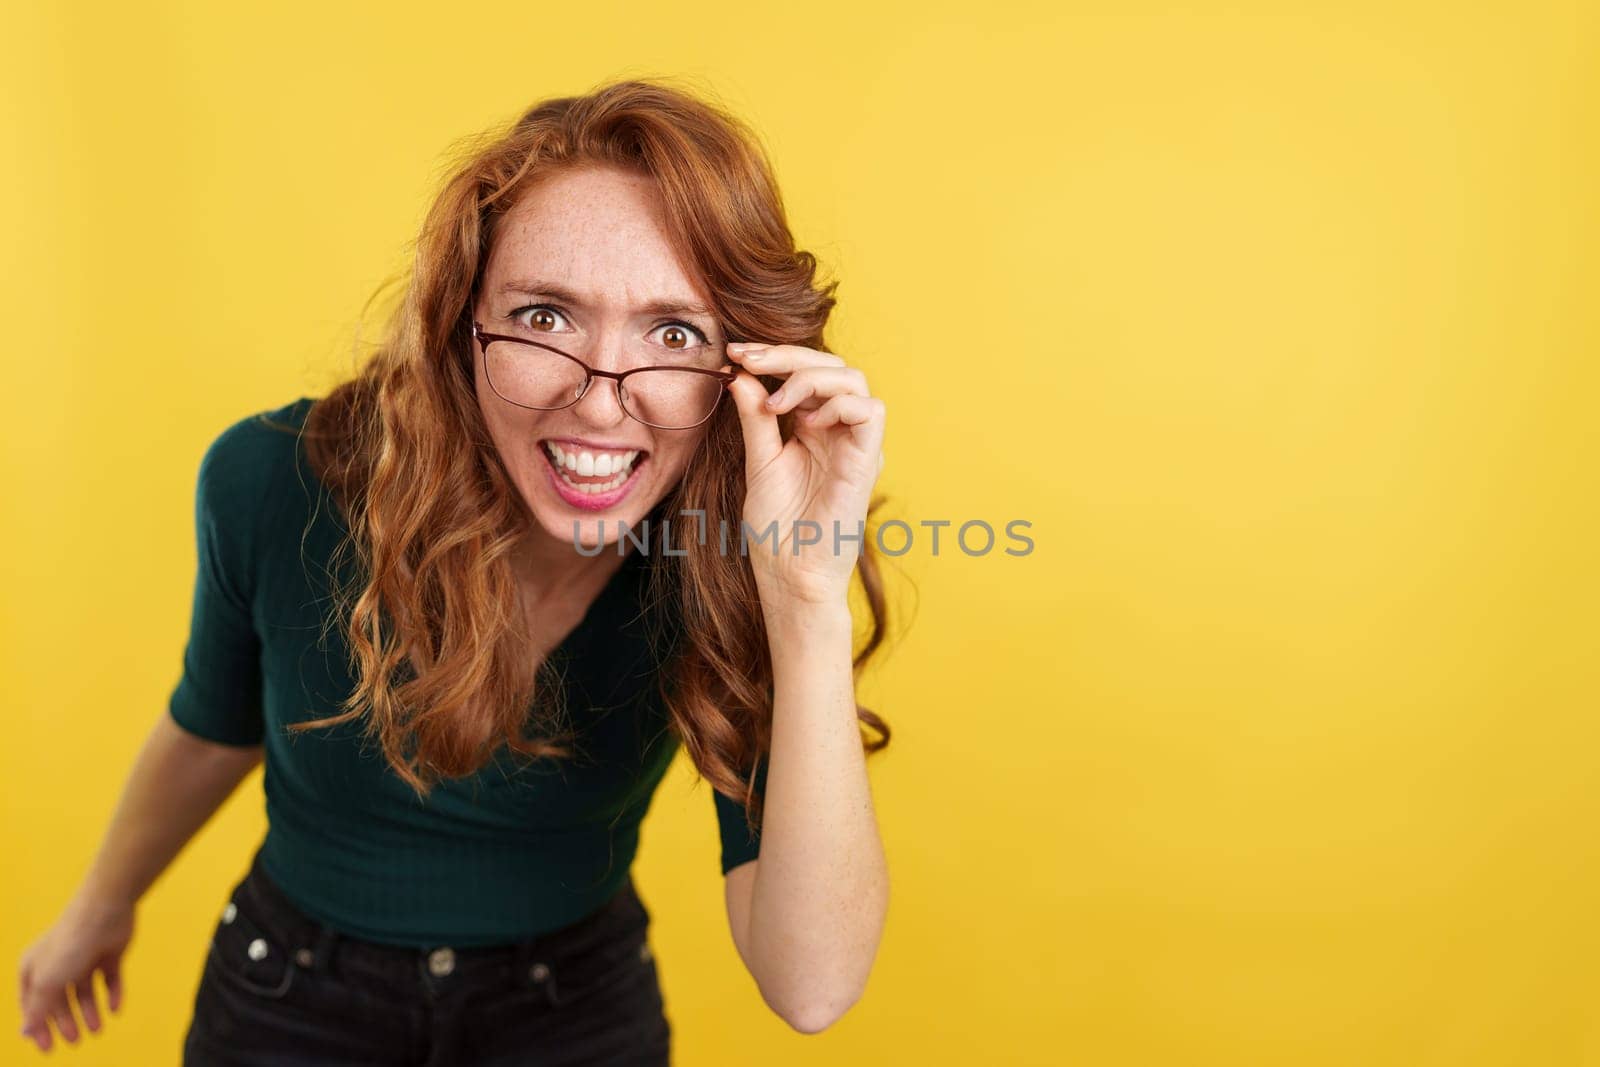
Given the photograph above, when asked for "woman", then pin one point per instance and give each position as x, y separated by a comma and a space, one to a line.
466, 606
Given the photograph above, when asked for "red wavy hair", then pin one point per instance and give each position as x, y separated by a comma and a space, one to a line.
437, 642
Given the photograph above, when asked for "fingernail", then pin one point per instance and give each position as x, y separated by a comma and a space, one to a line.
775, 399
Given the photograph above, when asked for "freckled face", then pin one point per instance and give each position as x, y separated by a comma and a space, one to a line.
597, 235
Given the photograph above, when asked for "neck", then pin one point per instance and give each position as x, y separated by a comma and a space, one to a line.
548, 567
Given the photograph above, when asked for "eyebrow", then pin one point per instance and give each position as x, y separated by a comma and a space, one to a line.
536, 287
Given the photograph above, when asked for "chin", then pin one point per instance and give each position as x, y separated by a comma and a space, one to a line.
593, 530
588, 533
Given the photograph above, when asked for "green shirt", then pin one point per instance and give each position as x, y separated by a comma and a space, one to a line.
521, 847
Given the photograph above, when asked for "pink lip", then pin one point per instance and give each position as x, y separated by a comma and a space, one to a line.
594, 446
590, 501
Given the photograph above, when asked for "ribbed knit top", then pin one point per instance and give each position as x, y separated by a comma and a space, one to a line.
519, 848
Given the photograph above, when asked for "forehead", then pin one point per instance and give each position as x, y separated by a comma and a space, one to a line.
597, 231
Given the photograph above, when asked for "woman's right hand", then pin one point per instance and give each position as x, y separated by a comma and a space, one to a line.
89, 936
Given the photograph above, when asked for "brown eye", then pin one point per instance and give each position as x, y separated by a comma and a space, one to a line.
538, 317
680, 336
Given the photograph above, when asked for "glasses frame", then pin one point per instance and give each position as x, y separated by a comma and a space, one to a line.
725, 377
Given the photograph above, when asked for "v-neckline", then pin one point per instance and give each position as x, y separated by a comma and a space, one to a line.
581, 636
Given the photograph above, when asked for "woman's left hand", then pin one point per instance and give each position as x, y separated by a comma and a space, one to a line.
823, 474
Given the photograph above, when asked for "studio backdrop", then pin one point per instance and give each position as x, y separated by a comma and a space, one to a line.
1240, 465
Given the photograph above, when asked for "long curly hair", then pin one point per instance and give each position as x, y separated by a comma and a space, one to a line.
438, 643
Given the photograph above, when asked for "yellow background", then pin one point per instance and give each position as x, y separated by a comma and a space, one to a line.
1273, 320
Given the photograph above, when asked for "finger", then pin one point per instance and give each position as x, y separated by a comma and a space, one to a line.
863, 414
88, 1004
32, 1006
65, 1021
820, 382
33, 1017
762, 439
112, 971
780, 359
39, 1033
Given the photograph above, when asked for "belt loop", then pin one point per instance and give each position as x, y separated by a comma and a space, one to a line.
549, 984
322, 950
534, 966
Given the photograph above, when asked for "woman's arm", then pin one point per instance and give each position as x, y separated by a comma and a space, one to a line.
808, 915
177, 782
820, 889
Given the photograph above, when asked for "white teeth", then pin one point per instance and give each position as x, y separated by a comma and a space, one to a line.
597, 487
591, 464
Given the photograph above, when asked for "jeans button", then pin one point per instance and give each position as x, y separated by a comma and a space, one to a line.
539, 972
229, 912
257, 949
441, 961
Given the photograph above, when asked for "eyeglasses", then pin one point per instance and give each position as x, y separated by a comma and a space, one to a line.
532, 374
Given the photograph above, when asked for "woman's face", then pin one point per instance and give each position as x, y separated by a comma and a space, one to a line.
582, 263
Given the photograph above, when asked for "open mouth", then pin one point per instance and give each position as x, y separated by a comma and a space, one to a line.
598, 475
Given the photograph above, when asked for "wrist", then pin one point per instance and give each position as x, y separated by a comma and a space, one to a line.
95, 902
808, 620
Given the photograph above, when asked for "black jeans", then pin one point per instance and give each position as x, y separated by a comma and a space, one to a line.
281, 989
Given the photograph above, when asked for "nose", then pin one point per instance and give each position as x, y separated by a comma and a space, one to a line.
601, 403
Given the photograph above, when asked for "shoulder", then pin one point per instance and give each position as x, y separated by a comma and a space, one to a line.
244, 464
249, 473
252, 449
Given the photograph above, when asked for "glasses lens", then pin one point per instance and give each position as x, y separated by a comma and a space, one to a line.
531, 376
671, 399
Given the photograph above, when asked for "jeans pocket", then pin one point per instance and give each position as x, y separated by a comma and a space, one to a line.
246, 954
260, 1000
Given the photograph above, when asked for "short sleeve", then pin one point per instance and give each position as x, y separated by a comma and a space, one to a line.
219, 694
738, 843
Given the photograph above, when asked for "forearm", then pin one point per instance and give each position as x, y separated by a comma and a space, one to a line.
821, 889
177, 782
